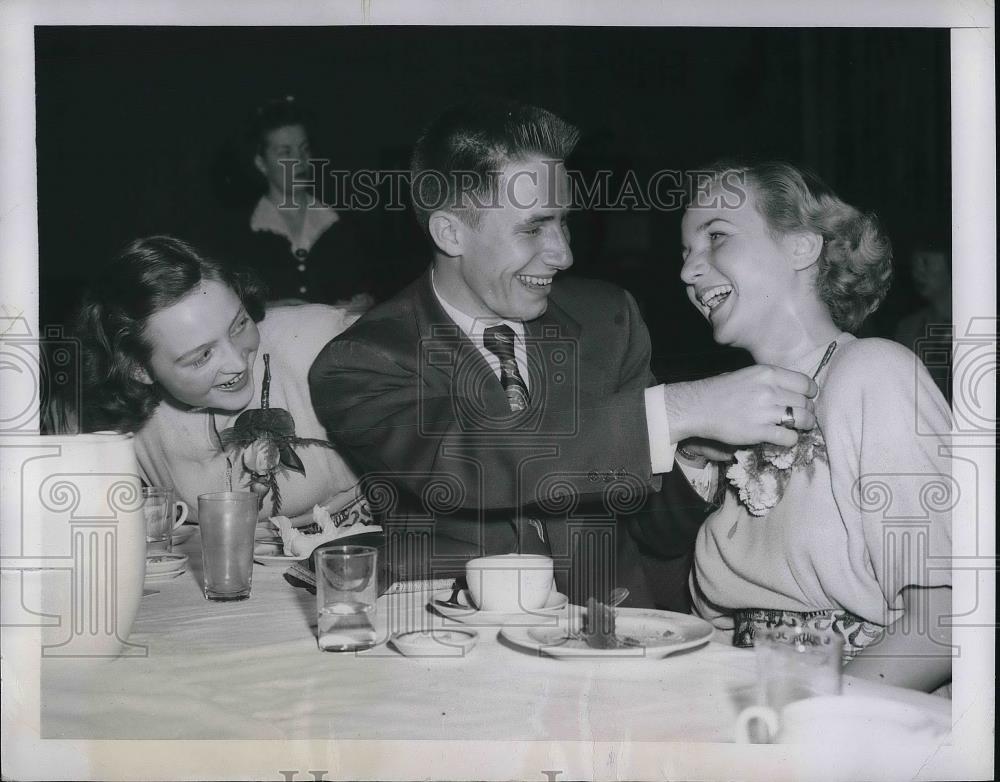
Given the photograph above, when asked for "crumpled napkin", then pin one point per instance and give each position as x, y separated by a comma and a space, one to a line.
300, 544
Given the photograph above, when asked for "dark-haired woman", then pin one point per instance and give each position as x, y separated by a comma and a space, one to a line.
303, 249
851, 528
174, 348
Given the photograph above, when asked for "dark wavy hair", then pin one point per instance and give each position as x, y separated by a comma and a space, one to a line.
146, 276
855, 265
266, 118
460, 153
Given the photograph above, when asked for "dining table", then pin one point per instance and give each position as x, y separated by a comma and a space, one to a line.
197, 670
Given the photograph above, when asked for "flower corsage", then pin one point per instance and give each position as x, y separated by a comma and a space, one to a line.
760, 474
263, 442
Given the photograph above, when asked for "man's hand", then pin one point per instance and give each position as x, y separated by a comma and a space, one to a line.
743, 407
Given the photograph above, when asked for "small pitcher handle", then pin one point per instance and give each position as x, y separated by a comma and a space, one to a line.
751, 713
184, 513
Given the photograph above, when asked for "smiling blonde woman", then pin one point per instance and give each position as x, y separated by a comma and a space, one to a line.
812, 534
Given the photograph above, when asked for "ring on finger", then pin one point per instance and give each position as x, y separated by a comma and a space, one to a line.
788, 419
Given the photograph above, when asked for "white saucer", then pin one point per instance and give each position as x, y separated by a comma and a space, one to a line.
166, 563
182, 533
435, 643
159, 578
270, 549
660, 633
468, 614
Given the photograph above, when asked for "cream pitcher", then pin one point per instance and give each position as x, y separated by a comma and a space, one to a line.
73, 542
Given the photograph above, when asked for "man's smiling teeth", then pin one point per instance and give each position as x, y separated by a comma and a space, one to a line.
713, 297
229, 384
535, 282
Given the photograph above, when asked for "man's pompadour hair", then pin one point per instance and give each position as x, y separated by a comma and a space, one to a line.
458, 157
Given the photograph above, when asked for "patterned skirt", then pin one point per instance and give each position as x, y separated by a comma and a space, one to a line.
857, 633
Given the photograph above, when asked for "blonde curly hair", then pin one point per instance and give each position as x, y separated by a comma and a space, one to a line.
855, 266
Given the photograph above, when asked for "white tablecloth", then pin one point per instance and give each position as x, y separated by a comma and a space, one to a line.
252, 669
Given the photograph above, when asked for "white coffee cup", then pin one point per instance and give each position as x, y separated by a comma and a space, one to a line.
845, 721
510, 583
163, 515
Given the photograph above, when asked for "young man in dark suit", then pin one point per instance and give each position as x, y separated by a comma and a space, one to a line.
497, 406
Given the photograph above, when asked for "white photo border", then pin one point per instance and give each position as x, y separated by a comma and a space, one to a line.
27, 756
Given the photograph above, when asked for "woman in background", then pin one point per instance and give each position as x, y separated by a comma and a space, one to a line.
780, 266
927, 331
175, 347
302, 249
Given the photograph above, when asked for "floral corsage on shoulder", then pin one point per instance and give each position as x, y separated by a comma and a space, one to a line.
761, 473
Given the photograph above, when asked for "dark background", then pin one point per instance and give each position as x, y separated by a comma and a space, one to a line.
133, 123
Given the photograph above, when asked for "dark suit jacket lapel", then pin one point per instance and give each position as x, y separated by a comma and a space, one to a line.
553, 334
466, 368
460, 535
553, 345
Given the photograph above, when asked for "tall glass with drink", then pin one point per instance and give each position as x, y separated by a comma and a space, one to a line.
228, 521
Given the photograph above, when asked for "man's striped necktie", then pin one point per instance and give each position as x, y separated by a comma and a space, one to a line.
499, 340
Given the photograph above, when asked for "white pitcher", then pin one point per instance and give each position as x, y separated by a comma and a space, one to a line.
73, 542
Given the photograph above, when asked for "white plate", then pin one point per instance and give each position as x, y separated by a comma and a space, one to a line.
659, 633
182, 533
277, 560
166, 563
470, 615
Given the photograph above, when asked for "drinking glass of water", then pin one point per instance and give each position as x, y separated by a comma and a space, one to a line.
794, 663
346, 590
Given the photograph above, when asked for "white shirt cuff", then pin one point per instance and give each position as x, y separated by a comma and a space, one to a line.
661, 450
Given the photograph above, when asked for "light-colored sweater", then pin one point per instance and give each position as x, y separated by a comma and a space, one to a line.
177, 447
869, 522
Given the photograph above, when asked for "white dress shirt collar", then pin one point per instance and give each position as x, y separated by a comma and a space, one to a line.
473, 328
